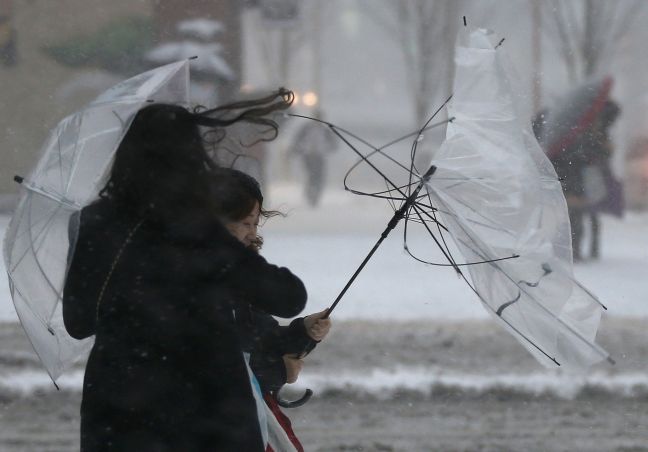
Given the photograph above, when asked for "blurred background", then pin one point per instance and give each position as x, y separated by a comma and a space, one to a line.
378, 68
413, 362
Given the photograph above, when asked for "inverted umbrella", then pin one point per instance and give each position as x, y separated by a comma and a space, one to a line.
491, 190
73, 168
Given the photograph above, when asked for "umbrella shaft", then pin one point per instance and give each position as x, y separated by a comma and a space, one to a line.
398, 216
357, 272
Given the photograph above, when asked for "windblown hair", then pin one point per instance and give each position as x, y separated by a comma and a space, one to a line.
252, 111
162, 168
233, 195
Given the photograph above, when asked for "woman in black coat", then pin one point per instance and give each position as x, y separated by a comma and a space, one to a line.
156, 279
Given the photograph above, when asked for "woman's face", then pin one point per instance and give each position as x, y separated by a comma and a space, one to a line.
246, 229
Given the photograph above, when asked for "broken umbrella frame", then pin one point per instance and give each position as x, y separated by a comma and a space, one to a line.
491, 189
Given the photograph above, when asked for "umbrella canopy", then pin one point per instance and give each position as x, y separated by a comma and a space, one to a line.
74, 166
573, 115
492, 191
499, 196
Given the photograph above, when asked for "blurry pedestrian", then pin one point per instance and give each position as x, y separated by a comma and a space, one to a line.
156, 278
274, 352
312, 143
598, 179
8, 46
585, 171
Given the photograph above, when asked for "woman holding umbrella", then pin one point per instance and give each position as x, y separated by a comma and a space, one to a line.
275, 352
156, 278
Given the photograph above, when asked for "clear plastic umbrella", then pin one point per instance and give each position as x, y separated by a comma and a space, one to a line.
69, 175
499, 196
491, 190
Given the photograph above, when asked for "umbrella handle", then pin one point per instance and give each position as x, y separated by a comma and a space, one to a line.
294, 403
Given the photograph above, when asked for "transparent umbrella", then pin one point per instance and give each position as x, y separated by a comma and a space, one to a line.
69, 175
491, 190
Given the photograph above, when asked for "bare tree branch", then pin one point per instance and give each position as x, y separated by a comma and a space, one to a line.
426, 33
586, 32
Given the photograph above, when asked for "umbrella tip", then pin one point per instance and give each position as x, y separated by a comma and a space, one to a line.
195, 57
18, 179
465, 22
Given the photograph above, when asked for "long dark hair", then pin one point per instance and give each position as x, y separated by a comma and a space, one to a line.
161, 167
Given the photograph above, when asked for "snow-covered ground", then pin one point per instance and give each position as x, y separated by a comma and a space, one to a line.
412, 359
325, 245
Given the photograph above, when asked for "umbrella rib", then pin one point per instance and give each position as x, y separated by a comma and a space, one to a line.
75, 167
415, 142
489, 307
398, 215
57, 198
474, 222
75, 152
445, 252
368, 162
28, 232
31, 242
375, 150
534, 301
494, 225
49, 328
369, 155
418, 132
380, 194
35, 190
60, 158
594, 297
366, 158
447, 248
517, 331
40, 267
379, 150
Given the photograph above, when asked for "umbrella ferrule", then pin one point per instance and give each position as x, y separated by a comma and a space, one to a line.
18, 179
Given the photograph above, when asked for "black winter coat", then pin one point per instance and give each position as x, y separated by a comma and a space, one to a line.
166, 372
267, 342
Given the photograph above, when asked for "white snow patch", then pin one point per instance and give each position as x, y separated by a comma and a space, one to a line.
28, 381
420, 379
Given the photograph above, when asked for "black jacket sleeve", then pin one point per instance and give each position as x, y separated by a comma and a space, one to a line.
264, 286
274, 290
269, 343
